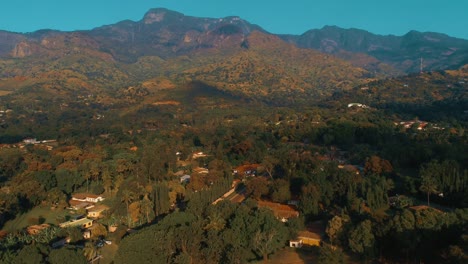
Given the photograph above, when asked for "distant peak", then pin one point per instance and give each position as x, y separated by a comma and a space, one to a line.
159, 10
155, 15
330, 27
413, 32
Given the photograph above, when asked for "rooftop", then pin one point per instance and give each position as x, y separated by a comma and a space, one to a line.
82, 196
98, 208
78, 222
280, 210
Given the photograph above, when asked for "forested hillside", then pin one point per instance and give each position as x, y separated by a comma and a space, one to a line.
183, 140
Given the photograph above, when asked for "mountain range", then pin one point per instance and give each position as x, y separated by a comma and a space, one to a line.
166, 48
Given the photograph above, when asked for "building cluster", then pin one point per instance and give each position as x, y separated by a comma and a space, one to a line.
78, 202
48, 144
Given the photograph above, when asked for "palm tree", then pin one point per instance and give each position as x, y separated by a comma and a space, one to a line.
146, 206
216, 222
47, 235
429, 186
127, 198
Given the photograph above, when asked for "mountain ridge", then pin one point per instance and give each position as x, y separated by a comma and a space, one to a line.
439, 51
229, 54
165, 33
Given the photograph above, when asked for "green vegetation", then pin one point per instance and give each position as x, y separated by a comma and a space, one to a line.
262, 121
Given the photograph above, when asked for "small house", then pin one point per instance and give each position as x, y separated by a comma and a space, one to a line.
185, 179
83, 223
201, 170
197, 155
310, 238
295, 243
87, 197
87, 234
36, 229
281, 211
30, 141
96, 211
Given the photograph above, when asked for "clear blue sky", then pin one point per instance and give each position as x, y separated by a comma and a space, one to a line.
286, 16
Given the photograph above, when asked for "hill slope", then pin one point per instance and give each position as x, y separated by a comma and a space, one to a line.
439, 51
228, 54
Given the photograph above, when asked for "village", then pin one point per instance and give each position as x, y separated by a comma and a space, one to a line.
92, 215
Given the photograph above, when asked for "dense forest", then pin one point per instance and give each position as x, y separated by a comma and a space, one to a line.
357, 170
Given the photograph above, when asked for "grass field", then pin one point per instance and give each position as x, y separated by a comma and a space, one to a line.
294, 256
50, 216
108, 253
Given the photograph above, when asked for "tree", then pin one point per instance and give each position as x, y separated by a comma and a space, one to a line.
154, 161
280, 191
160, 199
10, 161
146, 206
29, 254
89, 250
215, 222
56, 197
189, 238
67, 255
310, 199
263, 243
330, 255
428, 185
334, 229
68, 180
127, 197
90, 170
99, 230
375, 188
107, 176
361, 239
74, 233
377, 165
269, 163
257, 187
46, 179
270, 236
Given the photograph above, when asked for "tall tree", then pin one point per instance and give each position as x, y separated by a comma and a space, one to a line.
160, 197
334, 229
280, 191
428, 185
127, 197
270, 236
269, 163
146, 206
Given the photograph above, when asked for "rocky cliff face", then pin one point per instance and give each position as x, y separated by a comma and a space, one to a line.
23, 49
8, 42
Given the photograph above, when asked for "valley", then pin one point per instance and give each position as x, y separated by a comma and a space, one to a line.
178, 139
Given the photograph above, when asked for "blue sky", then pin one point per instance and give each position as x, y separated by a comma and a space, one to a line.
287, 16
